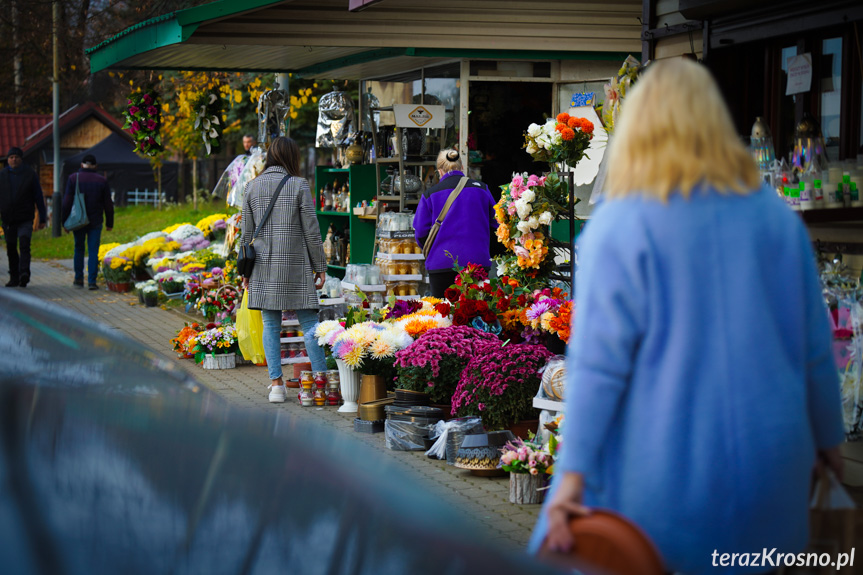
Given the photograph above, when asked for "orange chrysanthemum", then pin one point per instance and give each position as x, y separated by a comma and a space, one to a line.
574, 122
563, 118
567, 134
586, 126
559, 127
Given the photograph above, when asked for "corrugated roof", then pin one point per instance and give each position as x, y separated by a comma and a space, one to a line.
16, 128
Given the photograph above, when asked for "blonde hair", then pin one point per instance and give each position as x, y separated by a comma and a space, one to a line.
675, 133
448, 160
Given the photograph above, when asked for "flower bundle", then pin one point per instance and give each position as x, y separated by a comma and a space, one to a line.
616, 90
369, 340
212, 224
117, 269
143, 120
561, 139
208, 119
218, 304
550, 312
184, 342
172, 281
215, 341
522, 456
527, 206
498, 384
434, 362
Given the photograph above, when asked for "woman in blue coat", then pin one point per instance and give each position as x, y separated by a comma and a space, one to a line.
701, 384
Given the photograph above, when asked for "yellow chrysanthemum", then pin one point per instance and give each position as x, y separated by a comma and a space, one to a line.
381, 348
170, 229
105, 248
354, 358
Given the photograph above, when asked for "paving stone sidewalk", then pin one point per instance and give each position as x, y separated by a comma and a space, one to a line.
480, 499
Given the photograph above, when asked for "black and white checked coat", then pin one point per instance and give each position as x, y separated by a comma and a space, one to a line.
289, 249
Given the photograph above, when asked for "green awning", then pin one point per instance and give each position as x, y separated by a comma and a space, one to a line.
321, 38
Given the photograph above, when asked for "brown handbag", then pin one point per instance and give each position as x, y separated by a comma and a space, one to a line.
436, 227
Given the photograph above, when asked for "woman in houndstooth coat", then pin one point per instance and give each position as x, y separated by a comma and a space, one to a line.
289, 256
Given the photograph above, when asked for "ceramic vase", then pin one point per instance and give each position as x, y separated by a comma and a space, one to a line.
350, 387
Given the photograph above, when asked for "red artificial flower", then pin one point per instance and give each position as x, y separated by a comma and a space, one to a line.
502, 304
451, 294
443, 308
522, 300
460, 318
469, 307
486, 288
488, 317
481, 306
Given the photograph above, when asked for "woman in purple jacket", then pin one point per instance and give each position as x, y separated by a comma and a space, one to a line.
465, 233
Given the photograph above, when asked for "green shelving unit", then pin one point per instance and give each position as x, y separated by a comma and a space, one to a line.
362, 182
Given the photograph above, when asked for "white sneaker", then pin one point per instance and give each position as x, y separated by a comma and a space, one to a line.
277, 394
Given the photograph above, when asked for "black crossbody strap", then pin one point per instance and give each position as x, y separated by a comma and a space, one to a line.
270, 208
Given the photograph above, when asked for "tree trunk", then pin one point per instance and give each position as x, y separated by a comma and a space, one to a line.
195, 184
524, 488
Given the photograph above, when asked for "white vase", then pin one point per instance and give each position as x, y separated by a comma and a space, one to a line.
349, 380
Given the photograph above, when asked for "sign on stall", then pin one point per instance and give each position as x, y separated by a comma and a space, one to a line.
419, 116
799, 74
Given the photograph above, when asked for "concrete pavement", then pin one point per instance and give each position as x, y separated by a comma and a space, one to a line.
481, 499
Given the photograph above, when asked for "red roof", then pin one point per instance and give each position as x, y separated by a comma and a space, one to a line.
68, 120
15, 128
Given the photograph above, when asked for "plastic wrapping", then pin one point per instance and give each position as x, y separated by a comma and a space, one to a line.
404, 436
449, 436
274, 107
252, 168
230, 176
335, 119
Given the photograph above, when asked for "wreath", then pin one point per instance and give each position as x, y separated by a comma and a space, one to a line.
208, 120
144, 121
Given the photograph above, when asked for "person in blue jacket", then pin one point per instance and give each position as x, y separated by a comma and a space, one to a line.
97, 199
466, 229
701, 387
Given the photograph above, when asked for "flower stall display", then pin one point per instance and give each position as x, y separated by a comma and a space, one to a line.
219, 304
528, 463
560, 140
184, 343
616, 90
208, 120
172, 282
526, 209
216, 348
213, 226
143, 120
434, 362
499, 382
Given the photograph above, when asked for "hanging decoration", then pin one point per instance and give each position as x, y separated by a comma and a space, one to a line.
274, 108
208, 119
144, 121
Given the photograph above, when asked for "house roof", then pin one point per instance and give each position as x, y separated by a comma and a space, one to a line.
14, 129
68, 120
323, 39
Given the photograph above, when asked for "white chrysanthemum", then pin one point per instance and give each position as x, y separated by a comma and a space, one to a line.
545, 218
325, 328
534, 130
114, 252
184, 232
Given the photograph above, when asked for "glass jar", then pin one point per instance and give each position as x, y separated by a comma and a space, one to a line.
307, 380
333, 396
373, 275
320, 397
320, 379
333, 384
376, 300
307, 397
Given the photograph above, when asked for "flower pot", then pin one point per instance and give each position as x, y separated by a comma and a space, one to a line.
350, 387
521, 428
119, 287
151, 300
480, 453
220, 361
524, 488
372, 387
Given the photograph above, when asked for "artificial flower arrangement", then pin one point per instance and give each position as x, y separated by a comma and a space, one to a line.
211, 225
615, 92
498, 384
419, 316
434, 362
369, 347
522, 456
185, 340
549, 312
524, 213
143, 120
218, 304
208, 120
172, 281
117, 269
563, 139
215, 341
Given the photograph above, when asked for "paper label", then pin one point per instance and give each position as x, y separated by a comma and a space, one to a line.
799, 74
419, 116
806, 193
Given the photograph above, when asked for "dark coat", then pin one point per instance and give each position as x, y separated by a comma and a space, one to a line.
20, 196
97, 197
289, 249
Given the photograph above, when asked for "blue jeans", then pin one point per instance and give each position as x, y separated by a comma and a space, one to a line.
272, 348
88, 237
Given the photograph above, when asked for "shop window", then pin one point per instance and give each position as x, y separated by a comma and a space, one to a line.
831, 94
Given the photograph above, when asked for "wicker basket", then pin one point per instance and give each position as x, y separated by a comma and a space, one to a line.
220, 361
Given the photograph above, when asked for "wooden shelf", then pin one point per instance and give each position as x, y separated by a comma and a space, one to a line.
832, 215
372, 218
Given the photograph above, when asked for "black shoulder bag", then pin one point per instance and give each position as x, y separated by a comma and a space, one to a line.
246, 257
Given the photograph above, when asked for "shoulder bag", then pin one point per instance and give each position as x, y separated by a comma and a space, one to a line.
78, 217
436, 227
246, 257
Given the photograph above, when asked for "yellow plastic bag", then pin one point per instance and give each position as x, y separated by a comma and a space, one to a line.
250, 332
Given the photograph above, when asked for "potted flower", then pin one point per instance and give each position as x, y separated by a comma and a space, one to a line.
498, 384
118, 273
216, 348
151, 293
172, 283
528, 465
185, 340
434, 362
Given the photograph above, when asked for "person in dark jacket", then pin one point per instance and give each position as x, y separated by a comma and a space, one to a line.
20, 196
97, 198
466, 229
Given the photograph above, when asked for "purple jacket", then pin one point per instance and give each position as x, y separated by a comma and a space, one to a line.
466, 230
97, 197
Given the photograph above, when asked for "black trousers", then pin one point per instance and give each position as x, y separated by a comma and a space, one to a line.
18, 235
440, 280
